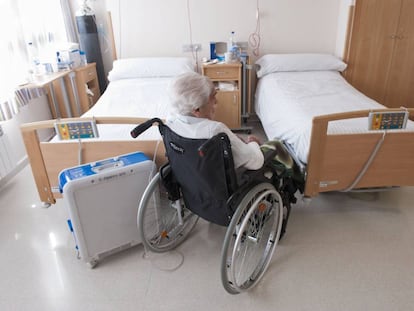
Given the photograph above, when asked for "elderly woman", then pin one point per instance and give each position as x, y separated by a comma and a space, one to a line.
194, 99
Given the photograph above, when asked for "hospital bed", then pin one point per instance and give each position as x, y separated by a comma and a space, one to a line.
329, 126
137, 91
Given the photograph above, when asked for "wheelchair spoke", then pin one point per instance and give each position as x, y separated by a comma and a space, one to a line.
160, 225
255, 230
170, 226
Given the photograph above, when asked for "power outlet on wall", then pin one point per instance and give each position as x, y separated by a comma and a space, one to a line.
192, 47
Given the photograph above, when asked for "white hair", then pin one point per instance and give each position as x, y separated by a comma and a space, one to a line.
190, 91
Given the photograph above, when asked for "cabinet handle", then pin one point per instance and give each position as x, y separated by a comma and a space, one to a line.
393, 36
234, 99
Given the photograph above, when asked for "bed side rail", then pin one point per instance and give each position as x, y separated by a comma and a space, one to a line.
339, 162
48, 159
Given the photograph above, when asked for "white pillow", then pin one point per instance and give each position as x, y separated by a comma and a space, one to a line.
298, 62
149, 67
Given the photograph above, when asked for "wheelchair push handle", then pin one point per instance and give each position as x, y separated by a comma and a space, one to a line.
141, 128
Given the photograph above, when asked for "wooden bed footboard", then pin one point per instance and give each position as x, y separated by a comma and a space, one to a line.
48, 159
338, 162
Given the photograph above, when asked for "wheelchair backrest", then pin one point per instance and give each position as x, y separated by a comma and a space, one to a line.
204, 169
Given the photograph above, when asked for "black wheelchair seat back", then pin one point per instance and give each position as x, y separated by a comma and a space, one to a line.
204, 170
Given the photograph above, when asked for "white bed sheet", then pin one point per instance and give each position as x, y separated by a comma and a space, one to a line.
286, 103
140, 97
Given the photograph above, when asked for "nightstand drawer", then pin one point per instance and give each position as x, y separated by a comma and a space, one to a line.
87, 78
88, 74
222, 72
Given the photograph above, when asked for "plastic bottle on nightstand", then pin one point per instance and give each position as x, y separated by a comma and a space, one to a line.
232, 42
233, 49
83, 58
33, 58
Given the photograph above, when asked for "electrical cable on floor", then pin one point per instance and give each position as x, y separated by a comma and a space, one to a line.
169, 261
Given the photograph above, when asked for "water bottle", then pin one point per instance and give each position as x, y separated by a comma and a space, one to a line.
83, 58
232, 42
233, 49
33, 58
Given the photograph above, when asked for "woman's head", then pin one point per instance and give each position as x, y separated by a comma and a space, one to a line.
194, 95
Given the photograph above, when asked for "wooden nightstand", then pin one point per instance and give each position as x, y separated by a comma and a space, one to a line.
228, 80
86, 77
67, 90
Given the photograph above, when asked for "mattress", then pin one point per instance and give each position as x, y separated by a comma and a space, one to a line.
286, 103
138, 97
144, 97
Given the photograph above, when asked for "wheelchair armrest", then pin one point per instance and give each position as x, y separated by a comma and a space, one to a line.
249, 175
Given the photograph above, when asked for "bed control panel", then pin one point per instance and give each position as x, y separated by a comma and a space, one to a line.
68, 130
390, 120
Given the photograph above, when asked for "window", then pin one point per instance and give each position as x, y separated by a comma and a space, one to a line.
22, 21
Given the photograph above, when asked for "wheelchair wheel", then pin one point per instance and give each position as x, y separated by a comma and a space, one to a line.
162, 224
251, 238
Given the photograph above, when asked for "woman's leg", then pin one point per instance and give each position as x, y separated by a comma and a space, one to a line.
283, 163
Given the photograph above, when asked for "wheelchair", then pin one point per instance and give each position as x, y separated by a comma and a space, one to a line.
199, 180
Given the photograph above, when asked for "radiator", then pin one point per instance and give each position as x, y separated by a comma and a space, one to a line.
12, 151
6, 163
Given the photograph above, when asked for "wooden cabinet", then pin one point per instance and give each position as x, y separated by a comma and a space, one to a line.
67, 90
87, 82
228, 81
61, 96
380, 52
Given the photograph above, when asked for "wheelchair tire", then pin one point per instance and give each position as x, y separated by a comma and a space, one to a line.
251, 238
158, 221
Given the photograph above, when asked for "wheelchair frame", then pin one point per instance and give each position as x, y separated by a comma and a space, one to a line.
259, 211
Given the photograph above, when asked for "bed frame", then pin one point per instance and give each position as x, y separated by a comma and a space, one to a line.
347, 162
48, 159
339, 162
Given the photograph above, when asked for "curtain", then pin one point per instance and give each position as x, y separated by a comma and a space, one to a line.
71, 33
29, 31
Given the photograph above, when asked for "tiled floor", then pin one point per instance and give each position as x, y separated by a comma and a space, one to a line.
341, 252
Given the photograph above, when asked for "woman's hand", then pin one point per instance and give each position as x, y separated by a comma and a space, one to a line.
251, 138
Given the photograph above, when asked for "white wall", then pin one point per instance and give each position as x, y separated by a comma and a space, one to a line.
161, 27
342, 25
